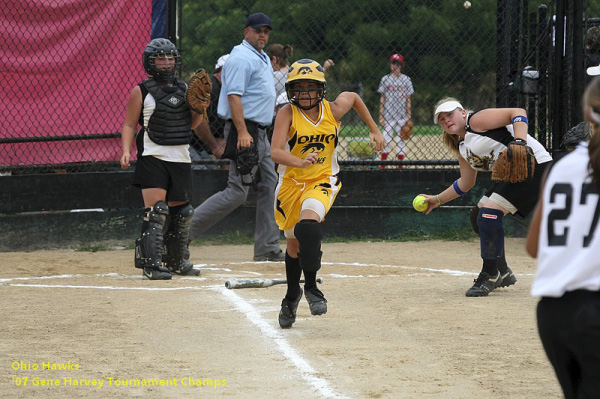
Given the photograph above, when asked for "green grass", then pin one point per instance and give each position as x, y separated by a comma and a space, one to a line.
237, 238
460, 234
363, 131
103, 246
229, 238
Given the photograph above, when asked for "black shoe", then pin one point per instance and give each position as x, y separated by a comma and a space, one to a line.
157, 274
186, 269
484, 284
316, 301
287, 314
508, 279
275, 256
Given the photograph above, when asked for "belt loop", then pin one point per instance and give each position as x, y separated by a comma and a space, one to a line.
303, 184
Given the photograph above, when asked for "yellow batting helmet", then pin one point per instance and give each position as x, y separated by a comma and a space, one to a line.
302, 70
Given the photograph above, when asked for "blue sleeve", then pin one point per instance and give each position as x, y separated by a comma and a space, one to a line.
238, 73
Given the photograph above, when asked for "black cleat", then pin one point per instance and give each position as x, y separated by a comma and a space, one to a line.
287, 314
157, 274
186, 269
507, 279
484, 284
316, 301
275, 256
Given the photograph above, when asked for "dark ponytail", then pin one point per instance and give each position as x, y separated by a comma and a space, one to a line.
594, 151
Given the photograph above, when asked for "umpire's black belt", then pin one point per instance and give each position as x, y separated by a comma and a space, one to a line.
250, 124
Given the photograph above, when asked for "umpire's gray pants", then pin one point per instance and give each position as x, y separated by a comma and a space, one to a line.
215, 208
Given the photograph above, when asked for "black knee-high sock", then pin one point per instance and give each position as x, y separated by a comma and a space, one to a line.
310, 279
502, 265
490, 266
292, 274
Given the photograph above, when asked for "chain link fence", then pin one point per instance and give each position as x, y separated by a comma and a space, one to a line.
65, 88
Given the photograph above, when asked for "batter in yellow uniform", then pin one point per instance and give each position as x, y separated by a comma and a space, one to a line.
304, 145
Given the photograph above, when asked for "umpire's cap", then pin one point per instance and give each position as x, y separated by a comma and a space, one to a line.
258, 20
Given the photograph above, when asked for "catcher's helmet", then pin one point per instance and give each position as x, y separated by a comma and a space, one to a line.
305, 70
157, 48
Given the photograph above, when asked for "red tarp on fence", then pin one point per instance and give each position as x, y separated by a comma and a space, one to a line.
67, 68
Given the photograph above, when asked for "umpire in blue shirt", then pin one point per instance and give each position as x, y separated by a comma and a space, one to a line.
247, 103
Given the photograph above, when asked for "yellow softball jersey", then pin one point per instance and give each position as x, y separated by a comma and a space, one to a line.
306, 136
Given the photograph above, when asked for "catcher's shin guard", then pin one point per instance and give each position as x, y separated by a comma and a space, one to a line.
176, 240
149, 247
308, 232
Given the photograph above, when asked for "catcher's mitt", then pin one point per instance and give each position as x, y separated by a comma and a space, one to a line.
406, 130
515, 164
198, 91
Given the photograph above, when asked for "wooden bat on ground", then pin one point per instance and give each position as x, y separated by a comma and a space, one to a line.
258, 283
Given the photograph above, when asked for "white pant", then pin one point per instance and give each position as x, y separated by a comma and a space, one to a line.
390, 127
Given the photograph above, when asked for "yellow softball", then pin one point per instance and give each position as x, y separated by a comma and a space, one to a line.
420, 203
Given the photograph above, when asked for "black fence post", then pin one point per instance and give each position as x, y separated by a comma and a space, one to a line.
503, 53
544, 49
172, 21
514, 11
173, 28
532, 51
557, 73
578, 62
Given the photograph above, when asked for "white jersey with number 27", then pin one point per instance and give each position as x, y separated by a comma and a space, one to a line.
569, 242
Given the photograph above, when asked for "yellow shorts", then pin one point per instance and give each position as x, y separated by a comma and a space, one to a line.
290, 194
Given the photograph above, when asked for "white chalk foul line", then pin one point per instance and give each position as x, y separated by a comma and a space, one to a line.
108, 287
307, 372
5, 280
429, 269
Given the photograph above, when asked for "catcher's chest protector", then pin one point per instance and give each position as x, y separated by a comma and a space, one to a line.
171, 121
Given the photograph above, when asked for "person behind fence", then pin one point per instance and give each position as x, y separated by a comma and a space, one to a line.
279, 55
592, 50
304, 144
581, 131
247, 103
215, 125
565, 237
495, 140
395, 108
163, 170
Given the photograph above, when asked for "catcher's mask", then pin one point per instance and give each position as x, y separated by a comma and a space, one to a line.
161, 48
301, 71
247, 165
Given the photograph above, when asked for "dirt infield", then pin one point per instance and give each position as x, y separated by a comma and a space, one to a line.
398, 326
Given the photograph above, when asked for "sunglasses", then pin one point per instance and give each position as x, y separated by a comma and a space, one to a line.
265, 30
